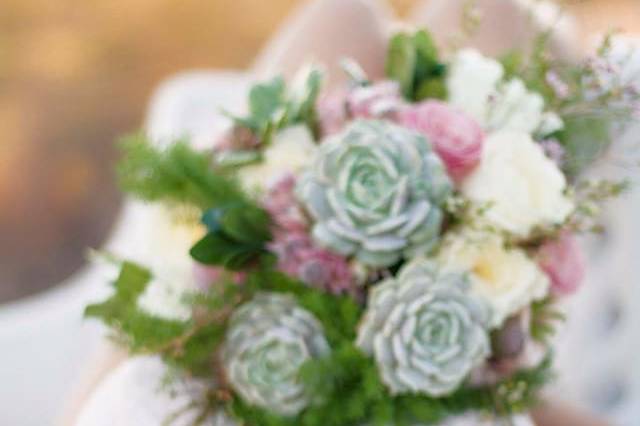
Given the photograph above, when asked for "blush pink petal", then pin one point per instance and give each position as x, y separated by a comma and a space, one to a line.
564, 263
456, 137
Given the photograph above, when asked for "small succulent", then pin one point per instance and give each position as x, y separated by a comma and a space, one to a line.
268, 340
375, 191
425, 330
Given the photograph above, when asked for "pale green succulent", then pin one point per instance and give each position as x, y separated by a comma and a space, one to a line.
268, 340
425, 330
375, 191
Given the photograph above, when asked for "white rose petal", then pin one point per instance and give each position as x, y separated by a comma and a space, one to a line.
290, 151
521, 187
472, 81
476, 86
506, 278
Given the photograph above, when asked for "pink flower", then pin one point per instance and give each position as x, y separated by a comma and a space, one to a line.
559, 87
297, 254
283, 207
564, 263
379, 100
320, 268
455, 136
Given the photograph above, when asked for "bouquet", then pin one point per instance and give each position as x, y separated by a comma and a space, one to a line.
387, 253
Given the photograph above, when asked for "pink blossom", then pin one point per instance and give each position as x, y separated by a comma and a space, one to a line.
455, 136
297, 254
300, 258
559, 87
283, 207
564, 263
379, 100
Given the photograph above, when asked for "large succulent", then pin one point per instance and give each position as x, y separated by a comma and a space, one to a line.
375, 192
268, 340
425, 330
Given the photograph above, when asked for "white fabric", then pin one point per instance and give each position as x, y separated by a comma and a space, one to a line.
131, 396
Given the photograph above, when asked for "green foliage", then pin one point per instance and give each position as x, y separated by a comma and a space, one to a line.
585, 139
544, 318
339, 315
272, 106
142, 332
238, 228
237, 236
413, 61
348, 391
346, 385
178, 174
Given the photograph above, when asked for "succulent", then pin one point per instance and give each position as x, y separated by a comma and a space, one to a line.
268, 340
425, 330
375, 191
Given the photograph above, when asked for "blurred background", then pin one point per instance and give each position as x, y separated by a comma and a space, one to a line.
76, 74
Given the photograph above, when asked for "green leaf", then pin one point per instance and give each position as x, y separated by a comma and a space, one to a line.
413, 61
247, 224
237, 236
265, 99
401, 62
585, 138
432, 89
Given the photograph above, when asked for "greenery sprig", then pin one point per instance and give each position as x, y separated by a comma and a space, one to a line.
272, 106
178, 174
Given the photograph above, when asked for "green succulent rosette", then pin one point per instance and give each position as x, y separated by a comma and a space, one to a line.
376, 192
425, 330
268, 340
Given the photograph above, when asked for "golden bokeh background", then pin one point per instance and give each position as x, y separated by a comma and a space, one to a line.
76, 74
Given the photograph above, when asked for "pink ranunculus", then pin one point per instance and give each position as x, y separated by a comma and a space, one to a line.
456, 137
564, 263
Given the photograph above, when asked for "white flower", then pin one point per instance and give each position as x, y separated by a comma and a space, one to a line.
476, 86
152, 236
520, 186
472, 81
506, 278
290, 151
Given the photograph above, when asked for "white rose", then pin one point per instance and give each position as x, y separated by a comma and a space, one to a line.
290, 151
472, 82
506, 278
521, 187
476, 86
